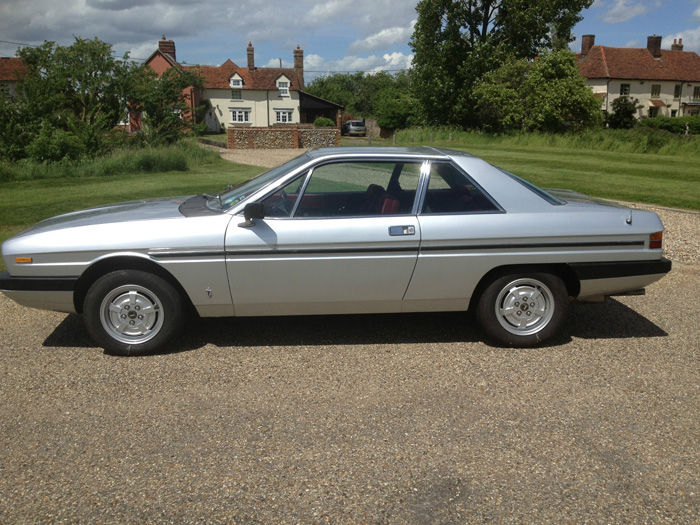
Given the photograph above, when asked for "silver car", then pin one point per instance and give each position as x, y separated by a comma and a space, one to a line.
355, 127
338, 231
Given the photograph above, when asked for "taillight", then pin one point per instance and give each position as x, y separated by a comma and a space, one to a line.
656, 241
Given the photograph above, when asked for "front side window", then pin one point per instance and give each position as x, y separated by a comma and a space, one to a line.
696, 93
284, 88
349, 189
240, 115
624, 90
653, 112
450, 191
677, 90
236, 94
656, 90
283, 116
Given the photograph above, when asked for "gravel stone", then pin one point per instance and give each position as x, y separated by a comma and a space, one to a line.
362, 419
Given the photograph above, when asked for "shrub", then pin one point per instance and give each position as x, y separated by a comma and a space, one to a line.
623, 111
323, 122
673, 124
53, 145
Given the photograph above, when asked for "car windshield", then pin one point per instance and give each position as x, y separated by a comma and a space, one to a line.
230, 198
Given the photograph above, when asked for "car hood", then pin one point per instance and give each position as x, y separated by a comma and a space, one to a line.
143, 210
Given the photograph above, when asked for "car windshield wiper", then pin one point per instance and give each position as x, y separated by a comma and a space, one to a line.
217, 196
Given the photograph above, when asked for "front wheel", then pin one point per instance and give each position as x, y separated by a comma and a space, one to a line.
523, 310
130, 312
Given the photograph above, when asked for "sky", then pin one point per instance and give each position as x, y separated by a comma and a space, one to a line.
336, 35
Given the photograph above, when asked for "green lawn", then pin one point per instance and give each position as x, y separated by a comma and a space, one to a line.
634, 177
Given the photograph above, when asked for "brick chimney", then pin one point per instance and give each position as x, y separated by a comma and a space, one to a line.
587, 42
167, 47
299, 64
251, 56
654, 46
677, 46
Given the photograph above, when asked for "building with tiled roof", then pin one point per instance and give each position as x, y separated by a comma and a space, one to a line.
11, 70
665, 82
249, 96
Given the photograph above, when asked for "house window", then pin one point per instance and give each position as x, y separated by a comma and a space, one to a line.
240, 115
236, 94
284, 88
236, 83
653, 112
677, 90
655, 90
624, 90
696, 93
674, 112
283, 116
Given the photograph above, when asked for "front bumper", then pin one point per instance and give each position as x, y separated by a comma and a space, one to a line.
54, 293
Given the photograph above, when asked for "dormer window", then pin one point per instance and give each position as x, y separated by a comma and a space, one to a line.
236, 82
283, 87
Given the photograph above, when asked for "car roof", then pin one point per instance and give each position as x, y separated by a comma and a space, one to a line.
391, 151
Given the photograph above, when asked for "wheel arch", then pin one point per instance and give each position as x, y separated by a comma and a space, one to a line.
563, 271
122, 262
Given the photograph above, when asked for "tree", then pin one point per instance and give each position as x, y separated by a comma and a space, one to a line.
81, 90
364, 94
71, 100
456, 42
164, 103
548, 94
623, 111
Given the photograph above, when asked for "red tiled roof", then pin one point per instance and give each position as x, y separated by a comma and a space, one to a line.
263, 78
11, 68
639, 64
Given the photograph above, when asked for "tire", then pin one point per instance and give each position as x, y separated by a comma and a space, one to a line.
509, 321
130, 312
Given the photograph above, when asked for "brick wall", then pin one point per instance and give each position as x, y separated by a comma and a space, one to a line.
282, 137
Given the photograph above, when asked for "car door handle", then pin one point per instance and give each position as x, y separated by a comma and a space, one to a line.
402, 230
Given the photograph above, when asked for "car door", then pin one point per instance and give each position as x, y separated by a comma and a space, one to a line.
457, 218
341, 238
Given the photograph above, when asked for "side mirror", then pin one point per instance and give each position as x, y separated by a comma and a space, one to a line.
252, 210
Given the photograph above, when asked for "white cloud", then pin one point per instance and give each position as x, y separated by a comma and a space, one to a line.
210, 31
383, 39
623, 10
315, 65
330, 12
691, 39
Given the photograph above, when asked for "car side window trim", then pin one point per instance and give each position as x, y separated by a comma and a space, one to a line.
310, 172
424, 193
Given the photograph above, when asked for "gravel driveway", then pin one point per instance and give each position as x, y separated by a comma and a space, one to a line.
359, 419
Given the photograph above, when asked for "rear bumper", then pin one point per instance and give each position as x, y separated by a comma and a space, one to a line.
611, 270
605, 279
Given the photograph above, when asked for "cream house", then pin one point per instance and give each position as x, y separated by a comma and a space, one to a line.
665, 82
249, 96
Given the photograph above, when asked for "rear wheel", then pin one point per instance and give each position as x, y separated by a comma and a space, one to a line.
523, 310
130, 312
